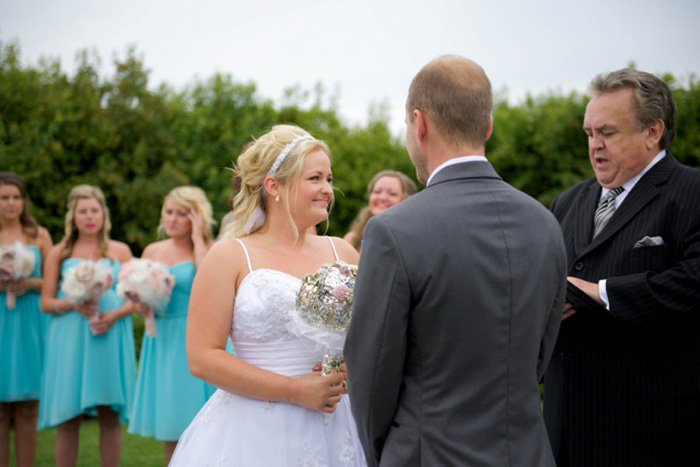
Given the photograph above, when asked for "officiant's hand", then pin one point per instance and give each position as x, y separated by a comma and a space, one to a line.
590, 288
569, 310
317, 392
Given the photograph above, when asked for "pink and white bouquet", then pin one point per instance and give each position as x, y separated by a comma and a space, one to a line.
16, 262
86, 282
149, 283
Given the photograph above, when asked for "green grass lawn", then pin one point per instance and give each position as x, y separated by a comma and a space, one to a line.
136, 450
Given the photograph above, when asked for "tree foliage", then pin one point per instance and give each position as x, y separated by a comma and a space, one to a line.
137, 141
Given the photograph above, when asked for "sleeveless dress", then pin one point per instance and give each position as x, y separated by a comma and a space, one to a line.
22, 337
83, 371
231, 430
167, 395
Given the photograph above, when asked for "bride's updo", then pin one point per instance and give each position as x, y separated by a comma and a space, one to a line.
254, 165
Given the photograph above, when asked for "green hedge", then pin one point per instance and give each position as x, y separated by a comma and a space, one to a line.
137, 142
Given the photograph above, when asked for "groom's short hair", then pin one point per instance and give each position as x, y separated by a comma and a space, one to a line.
455, 93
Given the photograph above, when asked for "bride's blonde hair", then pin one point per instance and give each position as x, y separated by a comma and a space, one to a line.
253, 165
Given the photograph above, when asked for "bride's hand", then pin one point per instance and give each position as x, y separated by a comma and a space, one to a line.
317, 392
343, 371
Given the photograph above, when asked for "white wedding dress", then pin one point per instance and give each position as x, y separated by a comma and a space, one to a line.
236, 431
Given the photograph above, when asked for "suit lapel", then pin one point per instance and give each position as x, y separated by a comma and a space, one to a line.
643, 192
585, 209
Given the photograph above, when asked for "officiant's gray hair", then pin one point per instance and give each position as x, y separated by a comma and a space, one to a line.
254, 165
652, 97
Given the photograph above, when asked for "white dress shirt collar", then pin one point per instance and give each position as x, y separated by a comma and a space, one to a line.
453, 161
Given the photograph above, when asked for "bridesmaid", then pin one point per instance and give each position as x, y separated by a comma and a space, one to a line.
385, 189
86, 373
167, 395
22, 329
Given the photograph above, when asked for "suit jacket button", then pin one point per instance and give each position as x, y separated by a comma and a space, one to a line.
578, 266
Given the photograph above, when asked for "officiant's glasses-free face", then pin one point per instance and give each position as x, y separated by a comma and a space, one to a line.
618, 148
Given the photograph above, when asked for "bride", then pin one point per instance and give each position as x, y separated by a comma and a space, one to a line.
273, 406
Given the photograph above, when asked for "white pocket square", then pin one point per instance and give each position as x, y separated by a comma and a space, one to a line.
649, 241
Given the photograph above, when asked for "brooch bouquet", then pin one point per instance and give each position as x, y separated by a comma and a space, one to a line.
323, 309
16, 262
86, 282
149, 283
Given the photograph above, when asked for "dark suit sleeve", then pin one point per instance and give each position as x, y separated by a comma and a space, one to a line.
637, 298
376, 342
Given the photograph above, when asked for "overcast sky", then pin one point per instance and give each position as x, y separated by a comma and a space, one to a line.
365, 51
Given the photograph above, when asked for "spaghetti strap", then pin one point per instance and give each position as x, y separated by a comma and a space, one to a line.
247, 256
335, 252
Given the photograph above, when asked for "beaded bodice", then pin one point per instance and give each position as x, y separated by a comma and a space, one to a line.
259, 329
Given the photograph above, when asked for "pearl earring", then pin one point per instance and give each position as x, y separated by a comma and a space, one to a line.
277, 199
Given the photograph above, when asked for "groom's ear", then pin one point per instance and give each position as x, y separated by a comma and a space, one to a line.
421, 123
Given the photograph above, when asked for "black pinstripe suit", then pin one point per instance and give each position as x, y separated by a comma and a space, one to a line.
623, 388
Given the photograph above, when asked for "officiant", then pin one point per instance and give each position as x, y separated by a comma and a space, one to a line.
623, 386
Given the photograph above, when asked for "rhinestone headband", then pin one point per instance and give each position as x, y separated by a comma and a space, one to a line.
257, 218
285, 152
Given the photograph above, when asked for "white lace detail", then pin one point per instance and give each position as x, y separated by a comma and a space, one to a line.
263, 303
218, 461
228, 428
346, 451
325, 419
212, 407
312, 457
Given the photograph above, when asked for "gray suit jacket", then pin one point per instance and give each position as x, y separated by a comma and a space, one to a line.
457, 306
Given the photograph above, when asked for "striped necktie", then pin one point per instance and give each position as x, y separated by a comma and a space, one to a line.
605, 210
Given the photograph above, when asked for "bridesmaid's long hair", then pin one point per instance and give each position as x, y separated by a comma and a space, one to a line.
71, 232
408, 188
30, 227
193, 198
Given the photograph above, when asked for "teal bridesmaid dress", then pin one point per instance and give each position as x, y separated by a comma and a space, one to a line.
22, 336
83, 371
167, 395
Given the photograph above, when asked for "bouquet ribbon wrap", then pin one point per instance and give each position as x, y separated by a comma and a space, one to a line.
323, 310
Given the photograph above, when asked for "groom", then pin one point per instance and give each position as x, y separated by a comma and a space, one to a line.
458, 298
